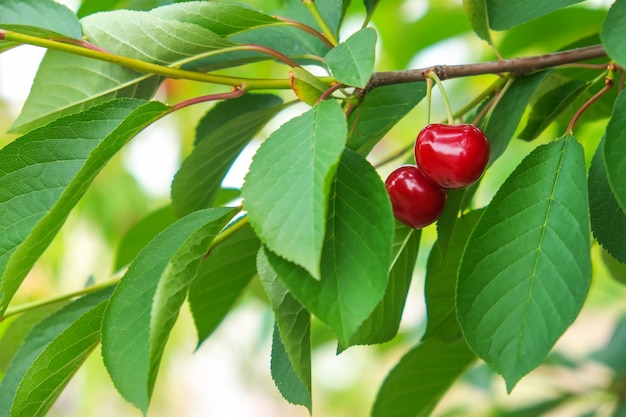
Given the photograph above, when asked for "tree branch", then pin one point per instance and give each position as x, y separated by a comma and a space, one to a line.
516, 65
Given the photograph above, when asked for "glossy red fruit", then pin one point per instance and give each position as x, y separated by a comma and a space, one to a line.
453, 156
416, 201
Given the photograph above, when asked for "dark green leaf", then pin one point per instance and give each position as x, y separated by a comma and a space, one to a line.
357, 252
291, 347
51, 353
476, 11
614, 148
380, 110
146, 302
608, 221
45, 18
352, 61
526, 270
220, 136
441, 278
44, 173
287, 188
504, 14
507, 114
614, 31
420, 379
382, 325
370, 7
548, 107
141, 234
221, 279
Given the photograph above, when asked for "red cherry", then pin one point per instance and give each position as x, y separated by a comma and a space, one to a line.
453, 156
416, 201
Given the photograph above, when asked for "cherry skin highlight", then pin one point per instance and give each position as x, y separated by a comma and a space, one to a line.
416, 201
452, 156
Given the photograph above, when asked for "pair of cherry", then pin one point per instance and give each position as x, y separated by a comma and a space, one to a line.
448, 157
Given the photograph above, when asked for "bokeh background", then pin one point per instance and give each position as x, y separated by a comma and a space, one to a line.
228, 376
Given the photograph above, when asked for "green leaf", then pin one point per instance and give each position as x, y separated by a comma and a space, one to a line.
611, 354
352, 61
43, 18
380, 110
13, 337
382, 325
476, 11
507, 114
419, 380
306, 86
291, 345
614, 146
287, 188
550, 105
504, 14
88, 7
220, 136
356, 256
441, 277
613, 32
221, 280
44, 173
370, 7
146, 302
141, 234
86, 81
457, 202
608, 221
51, 353
526, 268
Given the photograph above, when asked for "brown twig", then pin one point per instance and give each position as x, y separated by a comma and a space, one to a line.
524, 65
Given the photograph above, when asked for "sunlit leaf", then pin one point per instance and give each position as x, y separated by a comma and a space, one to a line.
287, 188
356, 256
419, 380
504, 14
44, 18
52, 352
526, 268
147, 300
220, 137
44, 173
352, 61
222, 278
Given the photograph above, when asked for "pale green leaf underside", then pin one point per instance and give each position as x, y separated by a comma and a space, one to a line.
39, 18
504, 14
44, 173
614, 147
352, 61
357, 252
614, 31
526, 269
286, 190
50, 354
172, 35
146, 302
419, 380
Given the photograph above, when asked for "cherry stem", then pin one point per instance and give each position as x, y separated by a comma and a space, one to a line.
608, 84
433, 76
429, 95
336, 86
319, 19
237, 91
488, 109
